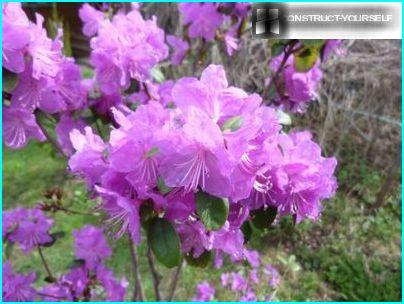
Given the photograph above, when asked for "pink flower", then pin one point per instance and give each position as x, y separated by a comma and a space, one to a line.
91, 18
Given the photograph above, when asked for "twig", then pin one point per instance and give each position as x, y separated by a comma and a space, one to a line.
155, 275
45, 264
174, 281
138, 291
285, 58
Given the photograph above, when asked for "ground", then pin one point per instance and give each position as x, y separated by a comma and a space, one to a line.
348, 255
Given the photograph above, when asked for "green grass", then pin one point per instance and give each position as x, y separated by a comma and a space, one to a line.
347, 255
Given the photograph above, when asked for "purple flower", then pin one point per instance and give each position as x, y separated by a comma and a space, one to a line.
123, 212
228, 240
91, 18
225, 278
63, 129
11, 219
31, 228
180, 48
203, 19
249, 296
20, 126
253, 257
16, 36
273, 273
115, 289
310, 177
333, 46
179, 205
238, 282
88, 160
91, 246
17, 287
204, 292
301, 87
194, 238
126, 48
231, 42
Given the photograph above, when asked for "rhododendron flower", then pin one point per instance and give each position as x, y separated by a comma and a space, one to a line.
203, 19
17, 287
180, 48
30, 228
91, 18
194, 238
333, 46
16, 36
300, 87
204, 292
88, 160
115, 289
91, 245
273, 273
249, 296
231, 42
310, 177
19, 126
127, 47
63, 129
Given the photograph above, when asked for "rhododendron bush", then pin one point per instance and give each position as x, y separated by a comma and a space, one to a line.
191, 164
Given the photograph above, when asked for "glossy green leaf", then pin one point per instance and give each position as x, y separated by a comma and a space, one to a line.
277, 49
247, 231
306, 58
202, 261
263, 218
161, 185
212, 210
164, 242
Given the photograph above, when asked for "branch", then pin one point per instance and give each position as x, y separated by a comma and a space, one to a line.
45, 264
285, 58
155, 275
174, 281
138, 291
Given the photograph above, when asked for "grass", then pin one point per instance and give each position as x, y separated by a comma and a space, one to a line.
348, 255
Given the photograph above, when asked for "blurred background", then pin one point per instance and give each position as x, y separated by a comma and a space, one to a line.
353, 253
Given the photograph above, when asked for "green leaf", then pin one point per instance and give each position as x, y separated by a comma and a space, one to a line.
233, 124
161, 185
313, 42
212, 210
247, 231
157, 74
202, 261
87, 72
277, 49
306, 58
164, 242
263, 218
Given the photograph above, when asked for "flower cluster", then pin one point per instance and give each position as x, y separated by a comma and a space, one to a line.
244, 284
204, 20
17, 287
299, 88
47, 80
296, 89
84, 282
123, 49
215, 139
90, 280
28, 228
